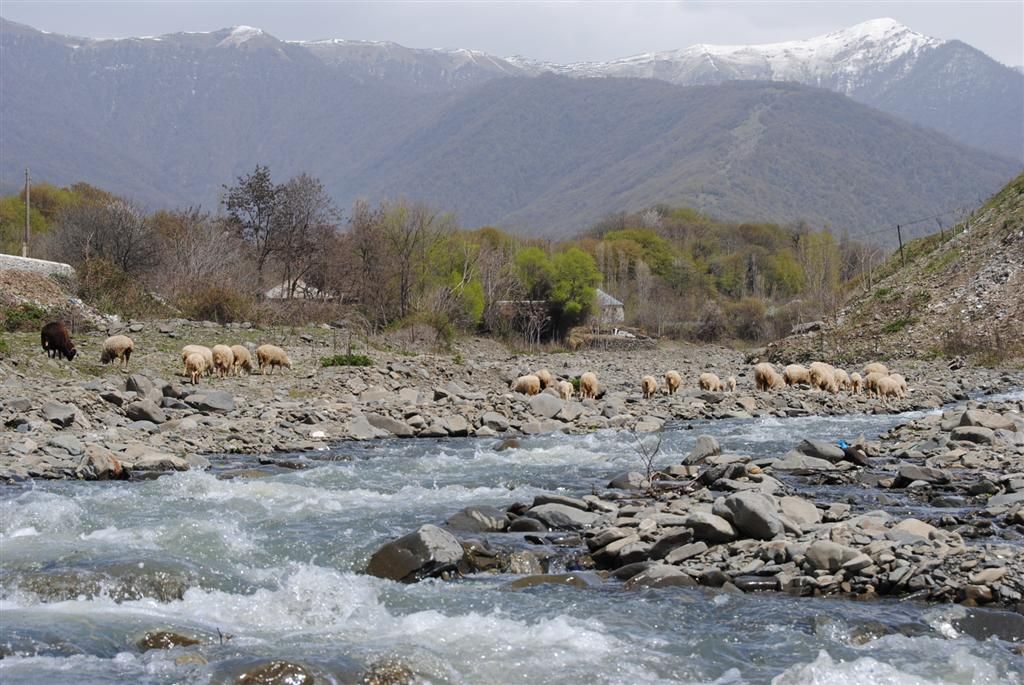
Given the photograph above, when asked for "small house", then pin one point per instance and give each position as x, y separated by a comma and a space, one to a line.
610, 312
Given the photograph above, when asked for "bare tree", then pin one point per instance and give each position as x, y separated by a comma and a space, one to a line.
304, 220
252, 204
112, 229
409, 232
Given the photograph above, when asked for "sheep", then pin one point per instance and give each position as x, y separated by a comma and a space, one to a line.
841, 377
648, 386
545, 378
269, 356
205, 351
565, 390
709, 381
823, 377
57, 341
874, 367
730, 383
902, 382
856, 382
223, 359
195, 365
767, 378
527, 385
588, 385
795, 373
871, 381
887, 386
117, 347
243, 360
673, 381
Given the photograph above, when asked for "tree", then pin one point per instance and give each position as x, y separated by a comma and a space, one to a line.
252, 204
409, 233
304, 219
535, 273
574, 287
115, 230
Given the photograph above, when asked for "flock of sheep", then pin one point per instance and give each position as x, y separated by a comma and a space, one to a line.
876, 380
199, 360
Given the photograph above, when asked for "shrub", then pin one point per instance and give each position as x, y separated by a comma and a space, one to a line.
106, 287
346, 360
898, 325
5, 349
747, 319
711, 324
23, 317
219, 303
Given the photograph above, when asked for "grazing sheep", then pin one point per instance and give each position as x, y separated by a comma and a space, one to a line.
767, 378
195, 365
243, 360
871, 381
527, 385
887, 386
730, 383
856, 382
842, 378
823, 377
648, 386
546, 379
57, 341
673, 381
269, 356
902, 382
795, 373
876, 367
205, 351
565, 390
709, 381
588, 385
223, 359
117, 347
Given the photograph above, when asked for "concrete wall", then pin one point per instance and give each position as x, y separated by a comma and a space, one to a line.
37, 266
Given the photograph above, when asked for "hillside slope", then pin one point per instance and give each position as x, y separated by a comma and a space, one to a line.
960, 294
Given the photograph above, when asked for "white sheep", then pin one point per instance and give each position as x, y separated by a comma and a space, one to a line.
902, 382
195, 365
588, 385
545, 378
223, 360
243, 360
842, 378
730, 383
117, 347
871, 381
710, 381
856, 382
673, 381
205, 351
565, 390
876, 367
887, 386
795, 373
823, 377
527, 385
269, 356
648, 386
767, 378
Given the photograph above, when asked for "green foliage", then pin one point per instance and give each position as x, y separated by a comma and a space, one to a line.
23, 317
346, 360
574, 290
5, 348
748, 319
535, 272
898, 325
12, 223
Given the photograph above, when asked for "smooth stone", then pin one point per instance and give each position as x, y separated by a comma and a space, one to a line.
421, 554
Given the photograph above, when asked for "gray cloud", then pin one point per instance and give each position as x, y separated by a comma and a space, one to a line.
556, 31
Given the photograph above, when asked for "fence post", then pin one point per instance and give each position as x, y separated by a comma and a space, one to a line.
899, 235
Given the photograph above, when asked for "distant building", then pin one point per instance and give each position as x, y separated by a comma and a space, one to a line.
303, 291
610, 312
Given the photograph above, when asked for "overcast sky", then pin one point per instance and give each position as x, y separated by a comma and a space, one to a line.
554, 31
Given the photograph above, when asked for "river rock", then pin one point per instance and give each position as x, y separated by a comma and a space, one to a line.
480, 519
99, 463
987, 419
62, 415
145, 410
561, 516
495, 421
976, 434
424, 553
277, 672
800, 511
455, 425
660, 575
909, 473
545, 405
211, 400
393, 426
752, 513
797, 461
634, 480
706, 446
164, 639
829, 556
143, 387
710, 528
820, 449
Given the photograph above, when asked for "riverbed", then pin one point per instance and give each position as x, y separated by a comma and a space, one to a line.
267, 563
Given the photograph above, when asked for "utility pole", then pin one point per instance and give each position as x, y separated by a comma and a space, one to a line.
899, 234
28, 229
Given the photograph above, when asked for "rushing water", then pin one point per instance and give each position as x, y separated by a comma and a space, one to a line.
272, 569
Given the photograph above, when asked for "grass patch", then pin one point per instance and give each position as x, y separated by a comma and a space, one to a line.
24, 317
883, 294
898, 325
942, 261
5, 349
346, 360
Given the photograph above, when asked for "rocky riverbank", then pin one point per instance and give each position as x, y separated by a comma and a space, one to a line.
741, 524
82, 420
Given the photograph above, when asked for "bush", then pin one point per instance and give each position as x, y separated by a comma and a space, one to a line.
747, 319
219, 303
711, 324
5, 349
346, 360
24, 317
898, 325
112, 291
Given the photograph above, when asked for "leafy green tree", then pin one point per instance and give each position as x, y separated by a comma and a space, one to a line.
574, 288
535, 272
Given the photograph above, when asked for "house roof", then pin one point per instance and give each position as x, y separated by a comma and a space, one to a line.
606, 300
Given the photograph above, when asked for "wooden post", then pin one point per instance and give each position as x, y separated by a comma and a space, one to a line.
28, 228
899, 234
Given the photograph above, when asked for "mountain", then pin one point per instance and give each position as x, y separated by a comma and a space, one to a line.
168, 120
957, 294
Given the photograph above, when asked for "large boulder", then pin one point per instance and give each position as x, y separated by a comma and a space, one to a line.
145, 410
976, 434
561, 516
987, 419
426, 553
143, 387
480, 519
830, 556
393, 426
455, 425
819, 449
800, 511
211, 400
754, 514
62, 415
710, 528
545, 406
706, 446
